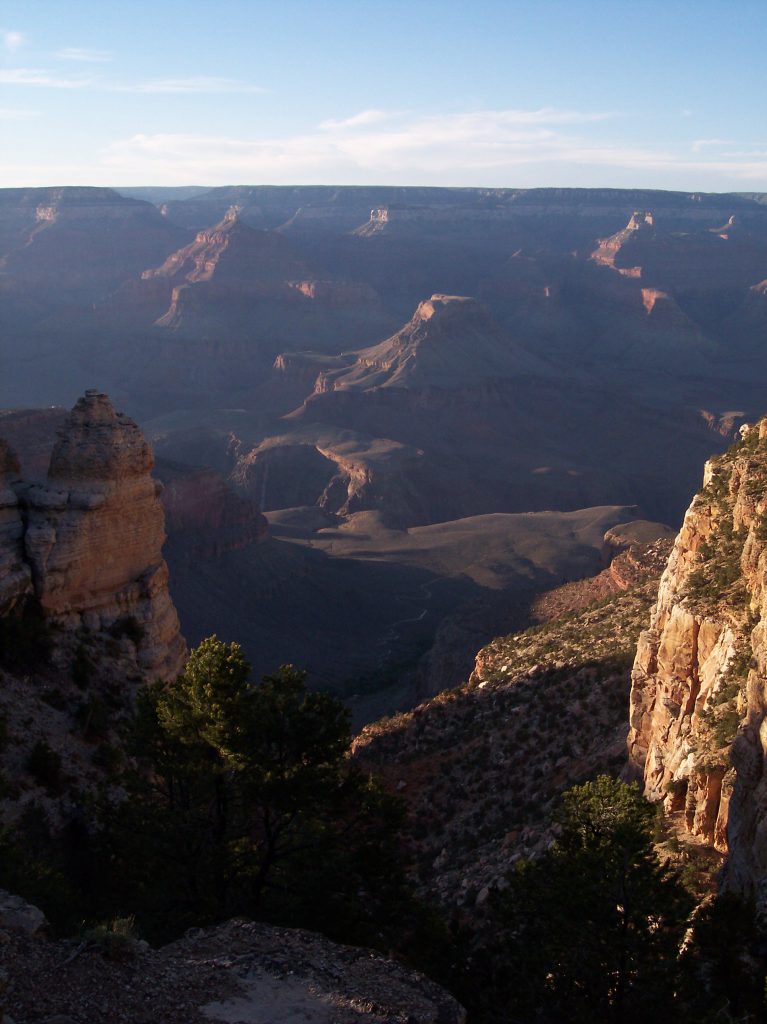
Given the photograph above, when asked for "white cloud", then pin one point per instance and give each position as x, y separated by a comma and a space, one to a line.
12, 40
492, 148
701, 144
363, 118
42, 77
198, 84
378, 145
491, 118
86, 56
202, 84
12, 114
746, 154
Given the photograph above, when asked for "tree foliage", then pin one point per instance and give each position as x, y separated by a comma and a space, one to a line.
245, 801
592, 929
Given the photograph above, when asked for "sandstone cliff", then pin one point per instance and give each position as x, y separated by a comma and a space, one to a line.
698, 699
93, 536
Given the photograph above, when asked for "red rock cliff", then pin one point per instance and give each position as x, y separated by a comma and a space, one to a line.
699, 686
95, 532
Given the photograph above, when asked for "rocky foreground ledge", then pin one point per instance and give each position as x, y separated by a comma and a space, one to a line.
240, 972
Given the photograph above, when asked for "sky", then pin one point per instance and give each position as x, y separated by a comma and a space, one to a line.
496, 93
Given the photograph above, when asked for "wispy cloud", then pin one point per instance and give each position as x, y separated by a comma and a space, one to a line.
197, 84
493, 118
12, 40
13, 114
494, 148
746, 154
378, 145
365, 117
43, 78
79, 53
701, 144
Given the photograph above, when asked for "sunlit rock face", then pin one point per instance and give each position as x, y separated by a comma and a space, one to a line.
95, 532
698, 700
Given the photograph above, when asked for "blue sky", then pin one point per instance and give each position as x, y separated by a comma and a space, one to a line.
551, 93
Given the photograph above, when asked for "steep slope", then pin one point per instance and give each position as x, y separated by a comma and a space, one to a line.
231, 252
481, 766
236, 281
706, 268
69, 246
450, 341
697, 702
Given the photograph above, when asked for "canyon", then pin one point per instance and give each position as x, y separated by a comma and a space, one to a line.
384, 430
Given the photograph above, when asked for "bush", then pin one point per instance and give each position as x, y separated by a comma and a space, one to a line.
591, 930
117, 939
129, 627
25, 639
26, 874
93, 717
82, 667
45, 767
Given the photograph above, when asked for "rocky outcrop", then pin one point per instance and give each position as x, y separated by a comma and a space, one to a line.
610, 250
450, 340
238, 971
15, 576
339, 471
698, 698
94, 535
233, 251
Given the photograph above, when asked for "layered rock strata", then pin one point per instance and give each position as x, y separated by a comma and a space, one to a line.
94, 535
699, 685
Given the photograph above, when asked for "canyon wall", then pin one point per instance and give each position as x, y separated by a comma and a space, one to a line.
698, 729
90, 538
15, 575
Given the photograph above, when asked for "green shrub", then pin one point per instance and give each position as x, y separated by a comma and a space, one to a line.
117, 939
726, 728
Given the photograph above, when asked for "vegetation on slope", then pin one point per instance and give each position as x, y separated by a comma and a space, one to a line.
482, 766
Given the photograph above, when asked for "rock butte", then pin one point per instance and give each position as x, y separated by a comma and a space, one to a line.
92, 544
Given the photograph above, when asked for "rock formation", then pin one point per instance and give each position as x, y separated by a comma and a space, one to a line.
94, 534
237, 971
449, 341
15, 576
205, 516
698, 700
